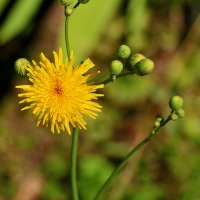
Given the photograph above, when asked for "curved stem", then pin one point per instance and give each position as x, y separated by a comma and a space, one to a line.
120, 166
74, 145
127, 157
73, 164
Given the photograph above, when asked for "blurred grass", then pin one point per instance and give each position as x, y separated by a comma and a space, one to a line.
18, 19
168, 167
3, 4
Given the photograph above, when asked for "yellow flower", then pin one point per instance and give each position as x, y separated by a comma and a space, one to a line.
60, 95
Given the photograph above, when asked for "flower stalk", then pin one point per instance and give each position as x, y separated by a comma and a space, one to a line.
74, 148
110, 79
114, 174
67, 36
74, 145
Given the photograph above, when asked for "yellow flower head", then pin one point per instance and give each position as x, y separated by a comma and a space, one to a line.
60, 95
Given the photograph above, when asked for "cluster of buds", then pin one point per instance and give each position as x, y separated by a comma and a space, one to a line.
176, 104
135, 63
159, 120
67, 4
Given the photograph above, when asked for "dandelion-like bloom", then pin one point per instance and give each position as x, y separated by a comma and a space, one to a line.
60, 95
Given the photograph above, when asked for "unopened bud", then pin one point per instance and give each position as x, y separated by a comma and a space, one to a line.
66, 2
68, 11
176, 103
180, 113
174, 116
144, 67
20, 66
133, 59
124, 51
116, 68
158, 121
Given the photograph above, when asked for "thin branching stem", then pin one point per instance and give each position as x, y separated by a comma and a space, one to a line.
110, 79
127, 157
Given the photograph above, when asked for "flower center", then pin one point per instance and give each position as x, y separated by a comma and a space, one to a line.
58, 88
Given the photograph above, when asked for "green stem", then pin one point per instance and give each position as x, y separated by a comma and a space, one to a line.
74, 145
73, 164
67, 37
127, 157
120, 166
109, 79
77, 4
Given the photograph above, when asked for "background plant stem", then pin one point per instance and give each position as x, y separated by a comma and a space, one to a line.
74, 145
126, 158
74, 148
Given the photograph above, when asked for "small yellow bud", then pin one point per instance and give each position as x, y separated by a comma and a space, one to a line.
20, 66
133, 59
158, 121
68, 11
180, 113
157, 124
144, 67
174, 116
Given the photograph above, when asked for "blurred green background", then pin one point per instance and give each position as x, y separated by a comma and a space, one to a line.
34, 164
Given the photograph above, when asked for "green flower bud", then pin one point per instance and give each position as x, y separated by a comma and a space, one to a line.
176, 103
66, 2
116, 68
174, 116
133, 59
68, 11
83, 1
20, 66
124, 51
157, 124
180, 113
158, 121
144, 67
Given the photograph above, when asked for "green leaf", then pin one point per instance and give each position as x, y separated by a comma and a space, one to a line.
3, 4
18, 19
